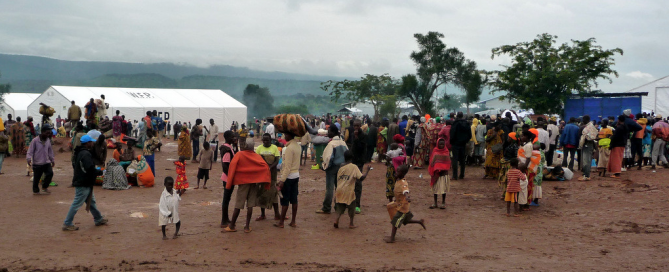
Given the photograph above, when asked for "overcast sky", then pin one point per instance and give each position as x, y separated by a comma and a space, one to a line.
341, 38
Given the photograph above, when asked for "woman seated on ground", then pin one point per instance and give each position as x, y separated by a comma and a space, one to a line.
141, 169
114, 178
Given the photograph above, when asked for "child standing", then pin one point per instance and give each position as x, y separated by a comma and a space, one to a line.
399, 209
513, 177
169, 208
347, 176
206, 159
182, 180
440, 163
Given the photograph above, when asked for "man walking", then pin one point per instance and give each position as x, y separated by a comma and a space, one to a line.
569, 140
333, 157
85, 174
73, 115
40, 157
460, 134
553, 134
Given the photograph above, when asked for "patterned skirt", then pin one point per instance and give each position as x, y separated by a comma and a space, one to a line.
181, 182
390, 181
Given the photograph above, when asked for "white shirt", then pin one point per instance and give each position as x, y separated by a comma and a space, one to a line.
322, 125
214, 132
544, 139
270, 130
169, 204
554, 131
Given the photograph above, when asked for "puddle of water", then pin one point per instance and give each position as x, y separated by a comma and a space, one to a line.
138, 215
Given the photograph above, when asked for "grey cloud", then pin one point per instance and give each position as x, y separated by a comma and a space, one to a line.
339, 38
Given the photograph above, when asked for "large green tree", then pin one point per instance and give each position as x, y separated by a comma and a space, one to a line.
436, 66
472, 81
259, 101
543, 74
450, 102
370, 88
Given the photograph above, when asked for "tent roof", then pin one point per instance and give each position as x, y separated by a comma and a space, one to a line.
151, 98
19, 101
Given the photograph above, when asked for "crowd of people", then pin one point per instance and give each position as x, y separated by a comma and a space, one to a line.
519, 153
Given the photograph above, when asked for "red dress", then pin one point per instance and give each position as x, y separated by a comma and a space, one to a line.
182, 180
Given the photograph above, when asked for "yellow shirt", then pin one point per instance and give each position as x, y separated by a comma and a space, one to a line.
400, 204
346, 178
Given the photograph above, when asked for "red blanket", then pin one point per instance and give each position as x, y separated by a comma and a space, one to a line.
439, 161
247, 167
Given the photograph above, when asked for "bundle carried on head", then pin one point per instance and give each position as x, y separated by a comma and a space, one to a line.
290, 123
46, 110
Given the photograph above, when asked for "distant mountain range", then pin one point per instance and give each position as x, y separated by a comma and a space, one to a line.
35, 74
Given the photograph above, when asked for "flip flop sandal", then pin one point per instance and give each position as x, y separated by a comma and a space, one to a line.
433, 207
277, 225
247, 230
443, 207
228, 229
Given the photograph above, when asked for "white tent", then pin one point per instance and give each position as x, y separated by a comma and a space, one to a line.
658, 96
173, 105
16, 104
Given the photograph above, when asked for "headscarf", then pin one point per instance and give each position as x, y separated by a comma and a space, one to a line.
475, 123
536, 134
422, 120
512, 135
440, 160
398, 139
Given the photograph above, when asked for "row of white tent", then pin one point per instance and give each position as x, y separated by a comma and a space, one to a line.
185, 105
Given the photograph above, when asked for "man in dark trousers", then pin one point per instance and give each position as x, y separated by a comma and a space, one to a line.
359, 150
371, 138
84, 179
460, 135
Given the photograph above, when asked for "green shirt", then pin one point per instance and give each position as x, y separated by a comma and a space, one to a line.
271, 150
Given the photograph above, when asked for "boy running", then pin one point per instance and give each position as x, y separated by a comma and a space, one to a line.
399, 209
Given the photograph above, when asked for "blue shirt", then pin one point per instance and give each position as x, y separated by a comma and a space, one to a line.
570, 135
403, 126
338, 126
157, 123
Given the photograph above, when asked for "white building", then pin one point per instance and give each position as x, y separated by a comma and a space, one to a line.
658, 96
172, 104
496, 103
16, 104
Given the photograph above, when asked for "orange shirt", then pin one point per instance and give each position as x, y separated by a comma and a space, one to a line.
117, 155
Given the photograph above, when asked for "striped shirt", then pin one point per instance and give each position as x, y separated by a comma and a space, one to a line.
513, 178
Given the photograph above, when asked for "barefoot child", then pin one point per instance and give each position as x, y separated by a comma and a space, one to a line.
513, 177
182, 180
399, 209
440, 163
206, 159
169, 208
347, 177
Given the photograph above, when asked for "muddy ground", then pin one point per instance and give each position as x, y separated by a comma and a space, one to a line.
601, 225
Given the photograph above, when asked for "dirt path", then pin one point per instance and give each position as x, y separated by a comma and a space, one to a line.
604, 224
